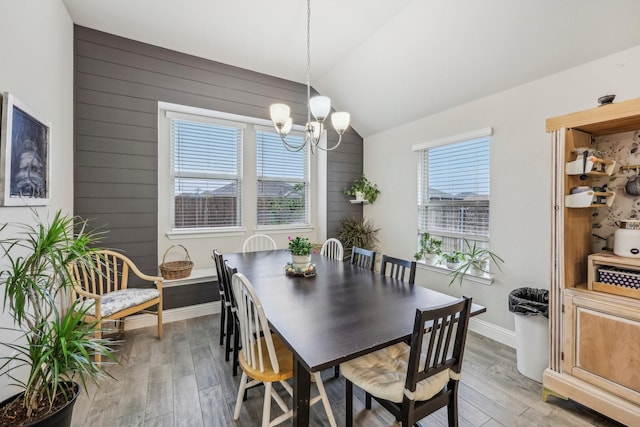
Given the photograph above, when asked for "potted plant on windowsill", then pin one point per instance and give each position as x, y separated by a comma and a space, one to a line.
56, 345
452, 259
430, 249
475, 261
363, 189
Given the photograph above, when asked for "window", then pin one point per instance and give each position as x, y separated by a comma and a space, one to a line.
206, 174
283, 180
453, 192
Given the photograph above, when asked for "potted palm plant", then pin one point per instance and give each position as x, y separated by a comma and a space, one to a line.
55, 346
360, 232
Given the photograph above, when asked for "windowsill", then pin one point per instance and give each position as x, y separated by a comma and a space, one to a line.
194, 233
285, 228
485, 279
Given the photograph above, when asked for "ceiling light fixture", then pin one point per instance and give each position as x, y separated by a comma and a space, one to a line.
318, 106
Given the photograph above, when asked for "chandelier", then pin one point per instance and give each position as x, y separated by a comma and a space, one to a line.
318, 107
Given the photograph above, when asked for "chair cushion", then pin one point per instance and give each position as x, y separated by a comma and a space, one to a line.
113, 302
383, 374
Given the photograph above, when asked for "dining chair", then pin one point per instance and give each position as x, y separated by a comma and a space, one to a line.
218, 261
229, 272
258, 242
264, 358
413, 381
101, 284
333, 249
363, 258
397, 268
228, 306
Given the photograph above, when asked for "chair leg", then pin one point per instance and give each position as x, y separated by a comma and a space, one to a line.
229, 333
452, 407
336, 371
349, 403
121, 326
367, 400
159, 313
98, 335
241, 394
266, 407
325, 399
236, 350
223, 312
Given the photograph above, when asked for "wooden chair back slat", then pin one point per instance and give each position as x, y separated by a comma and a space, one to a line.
259, 242
398, 268
333, 249
363, 258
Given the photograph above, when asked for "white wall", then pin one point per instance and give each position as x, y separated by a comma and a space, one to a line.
520, 173
36, 47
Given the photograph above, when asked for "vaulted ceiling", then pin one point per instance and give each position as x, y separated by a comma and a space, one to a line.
388, 62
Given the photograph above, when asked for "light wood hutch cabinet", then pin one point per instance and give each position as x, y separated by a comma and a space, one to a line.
594, 334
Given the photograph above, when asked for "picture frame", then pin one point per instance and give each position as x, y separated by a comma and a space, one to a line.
25, 138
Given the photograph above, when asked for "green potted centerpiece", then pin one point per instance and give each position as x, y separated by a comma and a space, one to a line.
363, 190
301, 250
430, 249
55, 346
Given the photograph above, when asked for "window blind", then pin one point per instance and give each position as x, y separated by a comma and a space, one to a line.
206, 174
283, 180
453, 192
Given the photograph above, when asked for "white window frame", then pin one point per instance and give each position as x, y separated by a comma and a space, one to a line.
419, 148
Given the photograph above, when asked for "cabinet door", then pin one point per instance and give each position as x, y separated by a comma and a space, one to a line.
602, 345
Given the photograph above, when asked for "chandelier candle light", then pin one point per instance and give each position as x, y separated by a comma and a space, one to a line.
318, 106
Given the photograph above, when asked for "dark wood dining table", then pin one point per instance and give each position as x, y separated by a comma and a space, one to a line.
341, 313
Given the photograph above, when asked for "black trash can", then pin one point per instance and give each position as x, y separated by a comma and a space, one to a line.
531, 309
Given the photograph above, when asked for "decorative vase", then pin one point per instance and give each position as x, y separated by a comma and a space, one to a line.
431, 259
301, 262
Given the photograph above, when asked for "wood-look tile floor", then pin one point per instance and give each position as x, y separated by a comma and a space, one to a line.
183, 380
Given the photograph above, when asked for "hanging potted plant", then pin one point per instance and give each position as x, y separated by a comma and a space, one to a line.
363, 190
56, 346
430, 249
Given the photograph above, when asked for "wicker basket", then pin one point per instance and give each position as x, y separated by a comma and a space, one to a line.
176, 269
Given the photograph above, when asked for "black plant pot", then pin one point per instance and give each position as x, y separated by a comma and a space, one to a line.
59, 418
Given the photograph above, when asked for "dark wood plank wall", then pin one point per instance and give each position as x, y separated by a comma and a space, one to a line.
118, 83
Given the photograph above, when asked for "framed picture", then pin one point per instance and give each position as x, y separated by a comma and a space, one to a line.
24, 155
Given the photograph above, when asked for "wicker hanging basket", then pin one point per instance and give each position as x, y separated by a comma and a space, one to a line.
176, 269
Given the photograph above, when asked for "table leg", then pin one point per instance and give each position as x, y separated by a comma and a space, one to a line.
301, 394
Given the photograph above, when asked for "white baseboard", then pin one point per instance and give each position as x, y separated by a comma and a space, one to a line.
496, 333
172, 315
481, 327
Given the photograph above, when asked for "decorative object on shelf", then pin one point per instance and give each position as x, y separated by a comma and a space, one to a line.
24, 144
588, 164
318, 106
590, 198
176, 269
301, 250
57, 344
474, 260
359, 232
626, 241
606, 99
430, 249
363, 190
292, 270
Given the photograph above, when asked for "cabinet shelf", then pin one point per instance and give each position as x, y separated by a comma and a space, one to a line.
587, 199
